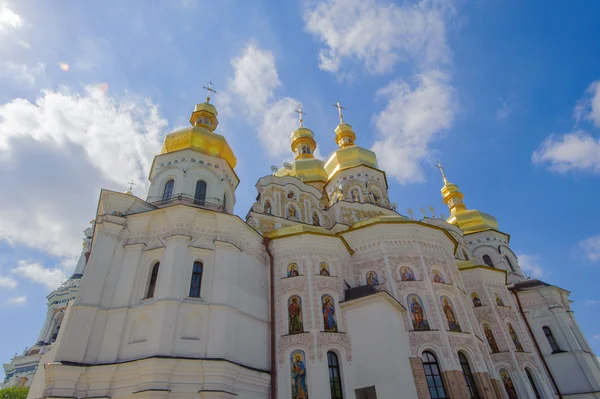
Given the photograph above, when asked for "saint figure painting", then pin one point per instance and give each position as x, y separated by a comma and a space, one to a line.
508, 385
324, 269
489, 335
407, 274
515, 338
267, 207
295, 314
329, 321
372, 278
417, 313
450, 315
292, 270
476, 300
438, 277
298, 369
499, 301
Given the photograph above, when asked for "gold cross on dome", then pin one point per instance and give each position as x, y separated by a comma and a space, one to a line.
439, 165
209, 90
131, 184
340, 108
300, 114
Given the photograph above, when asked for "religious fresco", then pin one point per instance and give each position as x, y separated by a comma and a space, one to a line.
407, 274
291, 212
438, 277
489, 335
292, 270
450, 314
316, 220
499, 301
515, 338
511, 391
329, 320
295, 315
372, 278
267, 207
298, 370
355, 195
291, 195
417, 313
476, 301
324, 269
376, 197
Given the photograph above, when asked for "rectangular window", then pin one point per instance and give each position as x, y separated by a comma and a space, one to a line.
366, 393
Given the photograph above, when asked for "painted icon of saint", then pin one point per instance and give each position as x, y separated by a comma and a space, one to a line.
417, 313
329, 321
406, 274
295, 315
372, 278
267, 207
476, 300
499, 301
515, 338
316, 221
449, 312
298, 369
437, 277
489, 335
292, 212
324, 269
291, 195
355, 195
511, 391
292, 270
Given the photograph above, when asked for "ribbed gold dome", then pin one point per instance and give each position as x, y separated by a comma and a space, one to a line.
349, 154
201, 136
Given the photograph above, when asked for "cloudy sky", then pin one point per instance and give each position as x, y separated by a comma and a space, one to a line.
505, 93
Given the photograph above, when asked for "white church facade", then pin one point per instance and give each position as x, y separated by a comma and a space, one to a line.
324, 291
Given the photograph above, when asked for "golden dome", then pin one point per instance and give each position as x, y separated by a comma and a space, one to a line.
349, 154
201, 136
308, 170
468, 220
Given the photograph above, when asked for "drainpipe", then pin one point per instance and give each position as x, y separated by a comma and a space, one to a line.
537, 347
266, 242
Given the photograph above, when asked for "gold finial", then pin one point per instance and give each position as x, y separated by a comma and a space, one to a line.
439, 165
131, 184
300, 114
340, 108
209, 90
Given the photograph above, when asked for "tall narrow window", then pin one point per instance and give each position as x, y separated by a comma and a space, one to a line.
196, 280
510, 265
488, 261
153, 278
469, 380
550, 337
433, 376
532, 382
335, 378
168, 192
200, 194
224, 201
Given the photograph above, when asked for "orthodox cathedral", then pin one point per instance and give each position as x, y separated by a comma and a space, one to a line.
324, 291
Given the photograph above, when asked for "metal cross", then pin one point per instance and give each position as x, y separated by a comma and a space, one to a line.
439, 165
300, 113
209, 90
131, 184
340, 108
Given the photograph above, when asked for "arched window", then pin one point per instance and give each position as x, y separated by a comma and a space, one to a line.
469, 380
335, 378
510, 265
488, 261
551, 340
533, 385
196, 280
433, 376
168, 191
200, 194
153, 278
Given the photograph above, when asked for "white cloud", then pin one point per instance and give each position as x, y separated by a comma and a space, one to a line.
589, 248
591, 302
415, 115
530, 264
254, 82
19, 300
50, 278
56, 154
589, 106
7, 282
597, 336
378, 35
22, 73
9, 19
503, 112
569, 152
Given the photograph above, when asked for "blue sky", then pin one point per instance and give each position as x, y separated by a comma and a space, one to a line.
506, 94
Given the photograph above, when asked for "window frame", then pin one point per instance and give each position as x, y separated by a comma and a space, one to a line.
200, 199
332, 369
531, 379
491, 264
468, 375
428, 364
551, 339
151, 288
198, 275
169, 187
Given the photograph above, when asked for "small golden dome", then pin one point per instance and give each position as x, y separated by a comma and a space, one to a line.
349, 154
302, 132
308, 170
201, 136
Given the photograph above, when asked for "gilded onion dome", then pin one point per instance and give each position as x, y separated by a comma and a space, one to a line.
201, 136
468, 220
